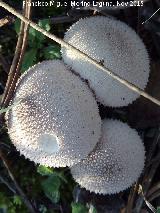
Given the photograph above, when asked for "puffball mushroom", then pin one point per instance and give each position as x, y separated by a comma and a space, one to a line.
115, 45
115, 163
56, 121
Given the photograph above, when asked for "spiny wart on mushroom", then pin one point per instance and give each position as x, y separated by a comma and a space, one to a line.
116, 162
116, 46
53, 124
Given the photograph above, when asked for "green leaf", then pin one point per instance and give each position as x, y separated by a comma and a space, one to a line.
36, 38
92, 209
51, 188
158, 210
52, 52
17, 25
79, 208
29, 59
32, 36
42, 209
17, 200
44, 171
45, 24
3, 110
61, 176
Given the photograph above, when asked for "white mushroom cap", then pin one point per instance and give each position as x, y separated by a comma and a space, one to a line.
119, 48
57, 121
115, 163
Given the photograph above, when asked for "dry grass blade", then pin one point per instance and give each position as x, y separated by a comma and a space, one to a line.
154, 196
147, 180
131, 198
66, 45
149, 173
154, 192
18, 188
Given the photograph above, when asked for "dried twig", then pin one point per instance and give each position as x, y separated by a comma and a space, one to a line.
154, 196
153, 192
131, 198
148, 176
146, 201
154, 145
18, 57
18, 188
155, 159
12, 79
146, 184
68, 46
7, 184
6, 20
14, 64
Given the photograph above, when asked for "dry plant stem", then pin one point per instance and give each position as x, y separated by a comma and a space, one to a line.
19, 190
148, 174
155, 159
154, 196
155, 142
14, 64
12, 79
153, 190
6, 20
145, 185
7, 184
92, 61
131, 198
17, 61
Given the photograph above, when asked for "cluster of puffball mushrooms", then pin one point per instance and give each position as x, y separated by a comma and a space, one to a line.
56, 122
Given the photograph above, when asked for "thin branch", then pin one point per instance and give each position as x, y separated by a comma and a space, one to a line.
154, 145
153, 190
6, 20
131, 198
7, 184
5, 146
17, 61
18, 188
154, 196
150, 170
12, 79
146, 201
140, 192
68, 46
146, 184
155, 159
14, 63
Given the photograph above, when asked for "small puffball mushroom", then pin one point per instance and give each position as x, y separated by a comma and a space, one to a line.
116, 162
56, 121
115, 45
